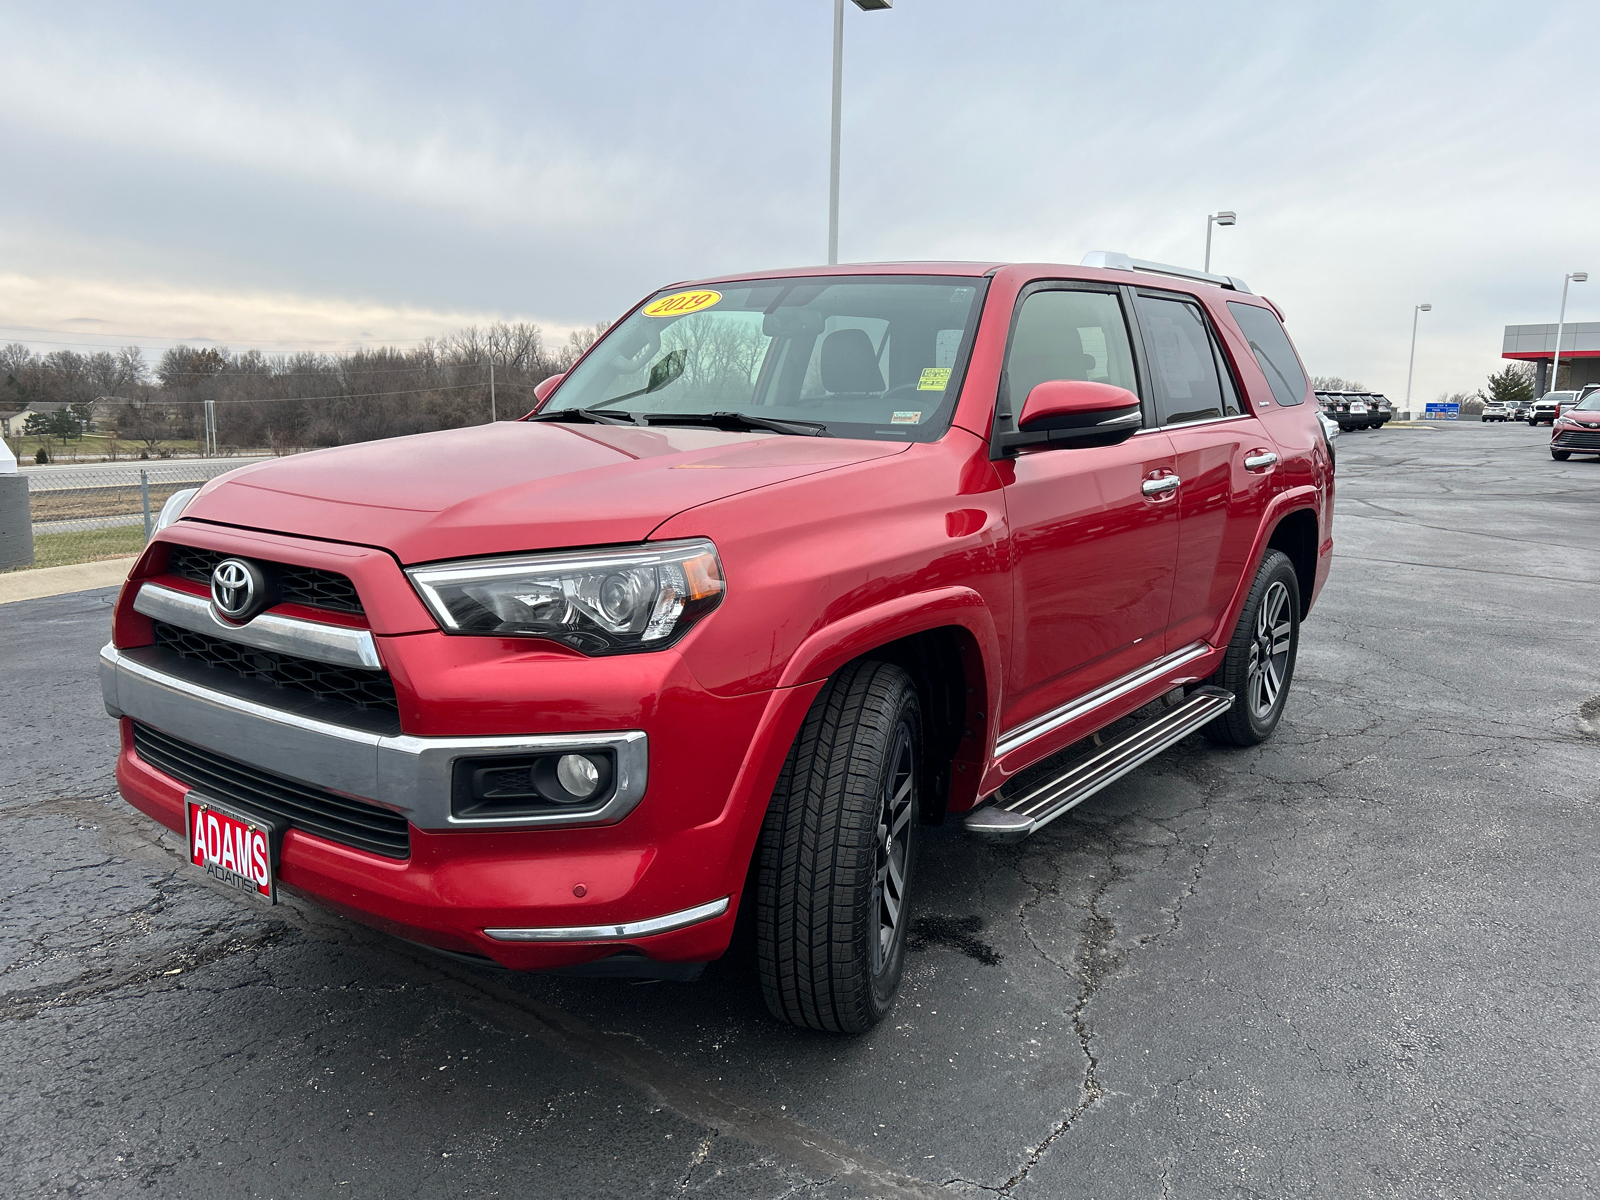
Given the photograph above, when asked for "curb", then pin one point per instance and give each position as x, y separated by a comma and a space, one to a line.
57, 581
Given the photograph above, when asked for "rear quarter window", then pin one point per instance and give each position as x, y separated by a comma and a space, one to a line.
1276, 357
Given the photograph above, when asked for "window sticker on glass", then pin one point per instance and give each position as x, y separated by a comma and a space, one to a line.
906, 418
1093, 340
934, 379
679, 303
945, 347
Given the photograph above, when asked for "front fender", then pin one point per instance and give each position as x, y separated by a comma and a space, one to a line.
829, 648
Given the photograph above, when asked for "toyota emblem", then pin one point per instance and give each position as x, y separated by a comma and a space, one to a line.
238, 589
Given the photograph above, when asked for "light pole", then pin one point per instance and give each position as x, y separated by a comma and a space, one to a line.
1217, 218
1574, 277
1415, 313
838, 88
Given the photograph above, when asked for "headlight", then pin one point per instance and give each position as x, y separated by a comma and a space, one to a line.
599, 602
173, 508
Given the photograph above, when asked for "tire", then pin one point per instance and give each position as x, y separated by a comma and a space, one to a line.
1271, 618
1561, 455
837, 854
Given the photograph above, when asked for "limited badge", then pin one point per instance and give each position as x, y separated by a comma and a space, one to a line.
934, 379
679, 303
906, 418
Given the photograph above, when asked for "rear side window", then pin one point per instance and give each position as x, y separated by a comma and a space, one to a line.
1068, 334
1183, 357
1276, 356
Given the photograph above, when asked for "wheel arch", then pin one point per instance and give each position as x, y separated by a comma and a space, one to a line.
946, 641
1295, 535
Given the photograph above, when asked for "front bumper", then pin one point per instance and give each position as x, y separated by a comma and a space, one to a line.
661, 879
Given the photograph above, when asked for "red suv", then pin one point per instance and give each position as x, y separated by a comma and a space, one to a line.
786, 567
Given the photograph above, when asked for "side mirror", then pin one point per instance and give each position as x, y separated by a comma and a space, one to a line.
1075, 412
545, 386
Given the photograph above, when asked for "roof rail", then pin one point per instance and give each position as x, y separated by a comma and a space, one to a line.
1111, 260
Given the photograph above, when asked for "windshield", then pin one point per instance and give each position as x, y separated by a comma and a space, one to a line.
1590, 403
865, 356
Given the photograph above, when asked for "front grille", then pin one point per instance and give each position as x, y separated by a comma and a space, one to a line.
301, 805
1578, 439
300, 585
365, 690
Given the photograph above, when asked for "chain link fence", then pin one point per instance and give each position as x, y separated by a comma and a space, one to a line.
86, 512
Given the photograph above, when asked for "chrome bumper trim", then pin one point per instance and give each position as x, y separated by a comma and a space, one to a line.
409, 775
336, 644
1049, 722
611, 933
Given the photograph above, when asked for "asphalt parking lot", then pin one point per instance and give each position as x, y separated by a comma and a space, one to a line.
1361, 960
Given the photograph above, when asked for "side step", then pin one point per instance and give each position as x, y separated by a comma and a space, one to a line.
1011, 820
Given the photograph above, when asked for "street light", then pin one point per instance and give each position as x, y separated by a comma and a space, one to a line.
1574, 277
838, 88
1219, 218
1421, 308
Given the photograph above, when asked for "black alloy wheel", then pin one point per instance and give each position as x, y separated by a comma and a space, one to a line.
837, 854
1259, 665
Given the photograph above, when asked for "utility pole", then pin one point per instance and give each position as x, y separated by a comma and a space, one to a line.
492, 417
1219, 218
1561, 322
838, 93
1415, 313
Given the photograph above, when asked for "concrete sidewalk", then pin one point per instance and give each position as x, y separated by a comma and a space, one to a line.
55, 581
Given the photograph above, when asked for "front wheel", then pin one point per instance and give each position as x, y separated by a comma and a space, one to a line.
837, 854
1259, 664
1561, 455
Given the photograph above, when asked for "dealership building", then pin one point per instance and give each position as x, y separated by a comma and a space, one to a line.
1580, 353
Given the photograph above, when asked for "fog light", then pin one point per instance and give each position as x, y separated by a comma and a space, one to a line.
578, 775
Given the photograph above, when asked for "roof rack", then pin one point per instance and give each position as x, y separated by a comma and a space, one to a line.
1112, 260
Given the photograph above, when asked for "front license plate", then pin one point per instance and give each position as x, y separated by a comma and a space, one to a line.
233, 849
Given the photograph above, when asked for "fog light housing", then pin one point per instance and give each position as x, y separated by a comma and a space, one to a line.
528, 785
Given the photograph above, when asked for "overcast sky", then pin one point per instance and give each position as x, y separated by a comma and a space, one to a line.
323, 175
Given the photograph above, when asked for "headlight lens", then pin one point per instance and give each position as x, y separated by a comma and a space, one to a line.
599, 602
173, 508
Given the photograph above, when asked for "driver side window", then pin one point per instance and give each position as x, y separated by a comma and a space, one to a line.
1068, 334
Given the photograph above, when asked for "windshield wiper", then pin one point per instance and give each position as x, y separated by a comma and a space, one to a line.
586, 414
737, 421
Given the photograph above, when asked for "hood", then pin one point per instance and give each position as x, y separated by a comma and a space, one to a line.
513, 486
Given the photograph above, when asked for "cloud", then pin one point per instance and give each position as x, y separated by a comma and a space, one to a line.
127, 314
305, 164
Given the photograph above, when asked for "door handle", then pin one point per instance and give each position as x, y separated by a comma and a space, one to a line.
1259, 460
1161, 486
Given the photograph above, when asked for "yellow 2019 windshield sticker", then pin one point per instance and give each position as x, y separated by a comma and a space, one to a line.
934, 379
679, 303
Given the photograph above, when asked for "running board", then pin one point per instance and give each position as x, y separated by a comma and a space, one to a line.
1012, 820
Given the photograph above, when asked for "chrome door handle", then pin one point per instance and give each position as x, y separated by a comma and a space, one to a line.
1158, 487
1256, 462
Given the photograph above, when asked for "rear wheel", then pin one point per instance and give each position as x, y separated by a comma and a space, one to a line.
1259, 664
838, 853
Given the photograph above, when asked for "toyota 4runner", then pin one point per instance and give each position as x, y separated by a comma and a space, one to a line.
787, 567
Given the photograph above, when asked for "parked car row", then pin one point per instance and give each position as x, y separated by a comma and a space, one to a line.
1356, 410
